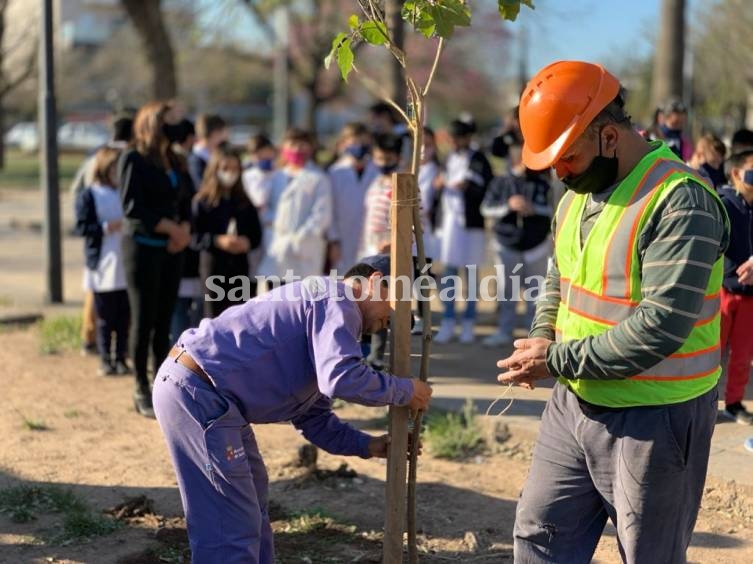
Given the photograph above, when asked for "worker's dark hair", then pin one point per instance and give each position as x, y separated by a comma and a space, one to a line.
736, 160
614, 113
361, 269
207, 124
389, 143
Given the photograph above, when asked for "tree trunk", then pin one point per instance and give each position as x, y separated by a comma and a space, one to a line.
670, 51
146, 16
3, 79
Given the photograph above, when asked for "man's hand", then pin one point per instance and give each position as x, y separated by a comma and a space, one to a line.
421, 396
526, 364
379, 446
745, 272
180, 237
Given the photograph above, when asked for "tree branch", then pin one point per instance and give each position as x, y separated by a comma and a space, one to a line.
434, 66
262, 19
377, 90
29, 68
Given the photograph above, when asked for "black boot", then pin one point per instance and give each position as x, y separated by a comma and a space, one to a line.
142, 401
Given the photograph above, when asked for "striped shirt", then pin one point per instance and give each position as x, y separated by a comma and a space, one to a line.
685, 236
377, 215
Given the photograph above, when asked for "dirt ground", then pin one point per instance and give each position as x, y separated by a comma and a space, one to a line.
95, 444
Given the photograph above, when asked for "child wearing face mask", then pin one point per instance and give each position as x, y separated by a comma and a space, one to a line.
376, 222
227, 227
256, 175
708, 159
298, 212
737, 288
350, 175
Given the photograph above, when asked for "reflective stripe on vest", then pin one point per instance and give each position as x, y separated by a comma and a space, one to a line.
600, 286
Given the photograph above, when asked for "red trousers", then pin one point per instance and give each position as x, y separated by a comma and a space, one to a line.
737, 338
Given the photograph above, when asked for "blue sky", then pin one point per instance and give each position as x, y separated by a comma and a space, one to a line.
603, 31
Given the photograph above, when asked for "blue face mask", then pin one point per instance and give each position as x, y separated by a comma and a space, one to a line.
265, 164
673, 133
388, 169
357, 150
748, 177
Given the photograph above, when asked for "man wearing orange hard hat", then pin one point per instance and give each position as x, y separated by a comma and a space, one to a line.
628, 324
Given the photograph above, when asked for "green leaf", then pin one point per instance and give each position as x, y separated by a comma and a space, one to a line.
509, 9
345, 59
336, 42
448, 14
353, 22
374, 33
416, 14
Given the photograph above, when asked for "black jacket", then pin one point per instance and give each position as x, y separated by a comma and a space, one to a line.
89, 227
740, 247
209, 221
150, 194
513, 231
474, 192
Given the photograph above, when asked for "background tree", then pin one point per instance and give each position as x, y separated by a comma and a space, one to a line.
670, 52
147, 18
10, 80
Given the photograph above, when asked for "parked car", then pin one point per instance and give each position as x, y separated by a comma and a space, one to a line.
23, 136
238, 135
82, 136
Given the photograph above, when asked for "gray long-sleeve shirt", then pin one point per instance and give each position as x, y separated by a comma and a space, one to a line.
680, 243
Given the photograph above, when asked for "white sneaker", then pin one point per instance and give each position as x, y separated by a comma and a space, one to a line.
497, 339
418, 327
446, 332
466, 335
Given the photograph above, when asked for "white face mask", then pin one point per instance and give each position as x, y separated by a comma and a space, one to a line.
227, 178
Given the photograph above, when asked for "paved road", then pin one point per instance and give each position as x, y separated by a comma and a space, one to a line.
458, 371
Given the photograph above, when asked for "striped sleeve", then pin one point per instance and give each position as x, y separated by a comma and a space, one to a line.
688, 232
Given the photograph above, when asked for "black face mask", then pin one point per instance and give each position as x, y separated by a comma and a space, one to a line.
600, 175
173, 132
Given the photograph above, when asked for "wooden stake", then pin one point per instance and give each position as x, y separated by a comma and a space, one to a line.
404, 194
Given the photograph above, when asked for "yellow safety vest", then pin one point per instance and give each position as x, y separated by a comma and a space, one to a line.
600, 286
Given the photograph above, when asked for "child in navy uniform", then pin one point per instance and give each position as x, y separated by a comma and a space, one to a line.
99, 219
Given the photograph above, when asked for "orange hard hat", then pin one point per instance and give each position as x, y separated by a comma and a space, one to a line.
558, 104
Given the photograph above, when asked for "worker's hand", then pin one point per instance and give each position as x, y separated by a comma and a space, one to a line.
384, 248
379, 447
421, 396
526, 364
745, 272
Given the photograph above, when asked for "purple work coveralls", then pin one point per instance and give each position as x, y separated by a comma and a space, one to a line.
282, 356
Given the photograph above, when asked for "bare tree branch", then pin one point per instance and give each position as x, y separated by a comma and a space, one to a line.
29, 67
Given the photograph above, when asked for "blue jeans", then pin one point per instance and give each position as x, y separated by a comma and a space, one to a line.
471, 277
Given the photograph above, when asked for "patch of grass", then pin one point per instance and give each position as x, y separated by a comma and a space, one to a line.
34, 425
71, 413
23, 503
59, 334
22, 169
454, 435
312, 520
6, 301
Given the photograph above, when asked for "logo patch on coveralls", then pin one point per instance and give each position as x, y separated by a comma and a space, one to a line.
233, 453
